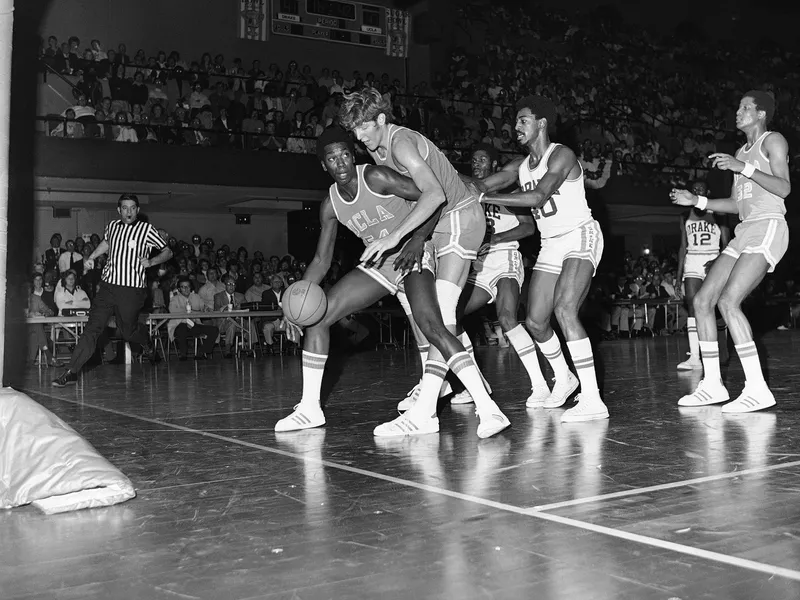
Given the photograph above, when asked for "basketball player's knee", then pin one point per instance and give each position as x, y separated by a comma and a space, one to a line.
536, 326
702, 303
727, 303
566, 312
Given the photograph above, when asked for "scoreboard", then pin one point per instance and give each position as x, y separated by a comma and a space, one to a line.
331, 21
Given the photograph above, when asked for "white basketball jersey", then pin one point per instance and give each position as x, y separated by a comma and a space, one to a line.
499, 220
702, 237
566, 209
755, 203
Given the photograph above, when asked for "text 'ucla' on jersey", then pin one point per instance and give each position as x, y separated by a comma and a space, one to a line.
566, 209
369, 215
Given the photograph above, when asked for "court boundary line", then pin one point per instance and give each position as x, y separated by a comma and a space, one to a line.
661, 486
709, 555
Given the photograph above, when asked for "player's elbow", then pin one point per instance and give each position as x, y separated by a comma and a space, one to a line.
437, 197
785, 189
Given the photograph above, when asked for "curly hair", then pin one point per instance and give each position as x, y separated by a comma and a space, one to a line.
363, 106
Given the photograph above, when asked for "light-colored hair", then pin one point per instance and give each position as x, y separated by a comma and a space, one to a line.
363, 106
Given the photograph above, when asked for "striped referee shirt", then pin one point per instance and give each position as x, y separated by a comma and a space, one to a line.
126, 245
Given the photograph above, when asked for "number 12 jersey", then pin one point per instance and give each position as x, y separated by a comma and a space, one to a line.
566, 209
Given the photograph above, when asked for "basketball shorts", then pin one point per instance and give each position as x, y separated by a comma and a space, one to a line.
769, 238
694, 266
584, 242
392, 279
460, 232
488, 269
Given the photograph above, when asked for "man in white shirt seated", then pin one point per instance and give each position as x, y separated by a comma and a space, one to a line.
211, 287
70, 259
186, 301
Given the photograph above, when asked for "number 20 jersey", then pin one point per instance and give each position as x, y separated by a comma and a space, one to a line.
566, 209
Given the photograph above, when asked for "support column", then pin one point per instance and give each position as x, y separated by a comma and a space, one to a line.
6, 34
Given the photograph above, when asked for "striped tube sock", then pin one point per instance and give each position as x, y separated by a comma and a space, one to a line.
748, 354
432, 379
313, 368
583, 359
526, 350
694, 341
709, 352
552, 352
423, 354
466, 341
467, 371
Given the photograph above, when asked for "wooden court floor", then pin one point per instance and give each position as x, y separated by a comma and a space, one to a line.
658, 502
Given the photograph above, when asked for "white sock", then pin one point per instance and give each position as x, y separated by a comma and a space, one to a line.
748, 354
432, 380
423, 354
526, 350
552, 352
709, 352
583, 359
467, 371
313, 369
466, 341
694, 341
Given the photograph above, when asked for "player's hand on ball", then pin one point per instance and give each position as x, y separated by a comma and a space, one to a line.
378, 248
683, 197
726, 162
411, 255
293, 332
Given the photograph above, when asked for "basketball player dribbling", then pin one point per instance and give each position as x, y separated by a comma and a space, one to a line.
456, 239
371, 202
760, 185
552, 185
701, 237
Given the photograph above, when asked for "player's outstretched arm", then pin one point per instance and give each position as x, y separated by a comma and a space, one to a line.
682, 251
526, 228
407, 155
718, 205
321, 262
505, 177
777, 150
559, 166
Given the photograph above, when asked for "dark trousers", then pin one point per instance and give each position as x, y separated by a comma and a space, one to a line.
183, 332
122, 302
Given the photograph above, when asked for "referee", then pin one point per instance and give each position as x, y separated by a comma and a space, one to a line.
123, 291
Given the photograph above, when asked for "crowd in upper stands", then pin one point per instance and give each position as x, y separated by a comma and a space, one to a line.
630, 103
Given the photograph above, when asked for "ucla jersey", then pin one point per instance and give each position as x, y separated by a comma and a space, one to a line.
499, 220
566, 209
756, 203
702, 237
369, 215
456, 192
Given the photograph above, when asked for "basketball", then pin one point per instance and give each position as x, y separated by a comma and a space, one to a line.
304, 303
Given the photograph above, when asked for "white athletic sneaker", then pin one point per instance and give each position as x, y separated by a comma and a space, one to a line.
690, 364
462, 398
492, 421
707, 392
589, 408
561, 391
754, 396
410, 399
403, 425
304, 416
539, 393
